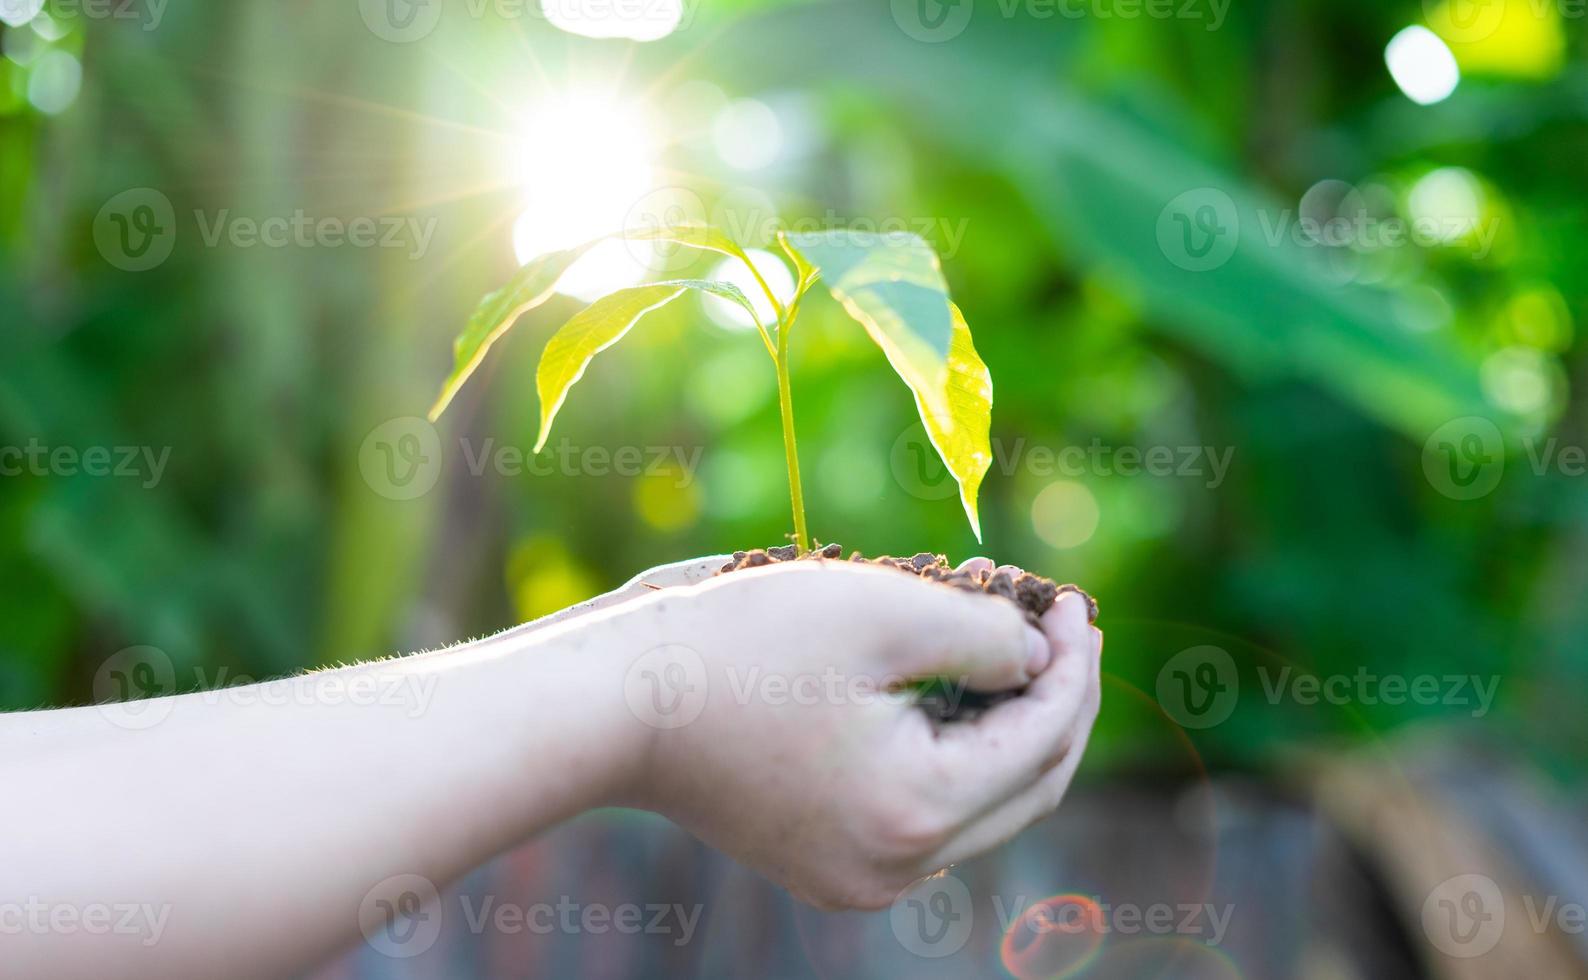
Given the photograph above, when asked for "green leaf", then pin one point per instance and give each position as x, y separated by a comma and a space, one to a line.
535, 282
962, 433
726, 290
530, 286
597, 327
892, 283
691, 234
802, 269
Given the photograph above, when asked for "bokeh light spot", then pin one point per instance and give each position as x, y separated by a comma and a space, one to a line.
543, 577
1447, 203
746, 134
1056, 937
667, 499
779, 279
634, 20
1538, 317
1517, 379
1422, 65
744, 483
54, 83
731, 383
16, 13
1065, 514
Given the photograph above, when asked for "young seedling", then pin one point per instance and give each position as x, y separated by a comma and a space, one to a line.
891, 283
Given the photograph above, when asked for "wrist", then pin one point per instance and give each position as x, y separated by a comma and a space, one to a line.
579, 706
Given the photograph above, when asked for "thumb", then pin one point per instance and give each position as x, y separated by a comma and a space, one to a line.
980, 640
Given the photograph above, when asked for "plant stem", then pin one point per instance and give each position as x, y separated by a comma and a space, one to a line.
785, 405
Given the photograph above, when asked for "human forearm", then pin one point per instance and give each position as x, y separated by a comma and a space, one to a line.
767, 711
297, 798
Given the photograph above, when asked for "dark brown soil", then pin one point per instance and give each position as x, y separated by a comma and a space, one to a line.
1032, 593
940, 699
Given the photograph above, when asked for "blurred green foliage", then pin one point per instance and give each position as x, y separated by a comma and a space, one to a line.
1041, 155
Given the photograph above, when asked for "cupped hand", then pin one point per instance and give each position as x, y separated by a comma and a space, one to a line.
802, 753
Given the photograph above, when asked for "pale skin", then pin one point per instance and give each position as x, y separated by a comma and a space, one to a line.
254, 831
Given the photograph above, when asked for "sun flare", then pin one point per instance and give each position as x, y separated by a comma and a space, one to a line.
583, 161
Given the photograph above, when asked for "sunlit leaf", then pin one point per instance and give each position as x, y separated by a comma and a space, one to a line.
599, 326
802, 269
892, 283
536, 281
690, 234
962, 433
530, 286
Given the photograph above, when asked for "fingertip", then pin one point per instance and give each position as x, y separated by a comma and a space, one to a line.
1039, 653
1068, 618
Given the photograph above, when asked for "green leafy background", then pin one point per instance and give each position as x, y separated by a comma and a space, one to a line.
1054, 146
